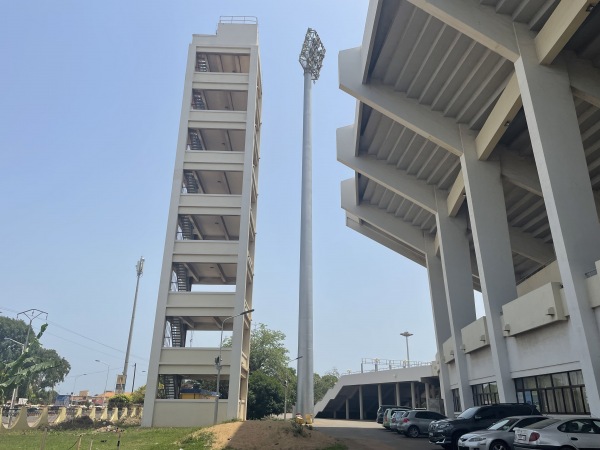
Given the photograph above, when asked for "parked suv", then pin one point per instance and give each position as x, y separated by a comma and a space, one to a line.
447, 432
416, 422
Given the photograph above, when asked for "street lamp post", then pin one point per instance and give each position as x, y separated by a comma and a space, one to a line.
134, 371
75, 383
106, 382
406, 334
133, 381
218, 361
286, 389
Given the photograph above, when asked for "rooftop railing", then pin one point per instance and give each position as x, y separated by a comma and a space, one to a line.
238, 19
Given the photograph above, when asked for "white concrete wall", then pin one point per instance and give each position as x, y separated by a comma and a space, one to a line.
480, 366
546, 275
544, 350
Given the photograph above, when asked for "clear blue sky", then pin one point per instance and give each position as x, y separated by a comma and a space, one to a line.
89, 114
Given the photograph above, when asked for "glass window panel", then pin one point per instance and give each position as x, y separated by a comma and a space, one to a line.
494, 388
551, 402
543, 402
560, 404
585, 400
520, 397
519, 383
560, 379
576, 378
486, 388
568, 400
535, 400
578, 398
529, 383
544, 381
478, 389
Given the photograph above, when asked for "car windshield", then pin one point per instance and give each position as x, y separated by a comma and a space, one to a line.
542, 424
468, 413
503, 424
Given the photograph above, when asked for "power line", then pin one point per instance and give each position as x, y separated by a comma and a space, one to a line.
81, 345
83, 336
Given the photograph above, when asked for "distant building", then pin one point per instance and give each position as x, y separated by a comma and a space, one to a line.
208, 266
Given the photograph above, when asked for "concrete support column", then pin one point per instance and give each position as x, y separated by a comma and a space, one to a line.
458, 282
441, 320
360, 403
427, 396
413, 395
347, 409
397, 386
487, 211
379, 396
565, 182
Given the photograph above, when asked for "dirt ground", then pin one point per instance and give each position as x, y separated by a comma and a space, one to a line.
268, 434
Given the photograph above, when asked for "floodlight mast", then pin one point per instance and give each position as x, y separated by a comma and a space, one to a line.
311, 60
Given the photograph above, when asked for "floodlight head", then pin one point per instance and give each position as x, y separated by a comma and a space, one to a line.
139, 267
312, 54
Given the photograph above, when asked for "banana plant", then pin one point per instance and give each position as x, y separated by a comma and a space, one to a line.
14, 373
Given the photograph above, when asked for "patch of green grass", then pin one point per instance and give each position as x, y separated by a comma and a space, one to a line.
134, 438
338, 446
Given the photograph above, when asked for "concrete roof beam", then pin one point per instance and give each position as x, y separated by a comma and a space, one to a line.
432, 125
386, 175
560, 27
479, 22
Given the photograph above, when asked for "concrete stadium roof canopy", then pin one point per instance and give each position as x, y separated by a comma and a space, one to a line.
430, 74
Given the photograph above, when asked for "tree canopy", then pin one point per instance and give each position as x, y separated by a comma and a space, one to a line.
268, 354
55, 368
265, 395
324, 383
270, 372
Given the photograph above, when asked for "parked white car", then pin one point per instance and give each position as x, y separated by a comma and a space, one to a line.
572, 433
498, 436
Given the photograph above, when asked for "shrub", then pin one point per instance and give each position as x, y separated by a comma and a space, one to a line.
119, 401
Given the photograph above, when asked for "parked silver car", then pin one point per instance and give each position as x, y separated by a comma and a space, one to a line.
574, 432
499, 436
395, 420
387, 415
414, 423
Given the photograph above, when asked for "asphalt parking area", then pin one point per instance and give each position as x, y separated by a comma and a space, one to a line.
367, 435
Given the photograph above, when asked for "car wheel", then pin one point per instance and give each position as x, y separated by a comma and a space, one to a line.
412, 432
499, 445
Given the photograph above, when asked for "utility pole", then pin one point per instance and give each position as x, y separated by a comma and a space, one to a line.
31, 314
139, 270
311, 60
